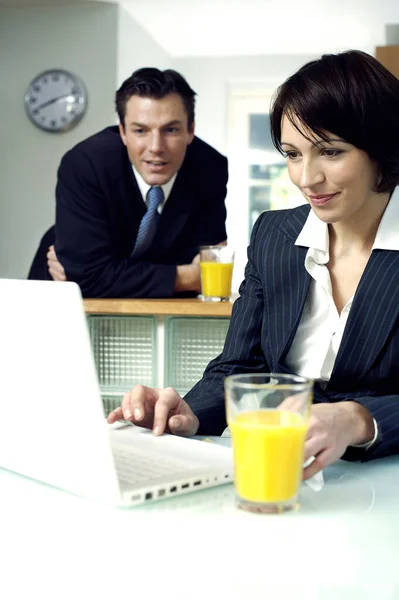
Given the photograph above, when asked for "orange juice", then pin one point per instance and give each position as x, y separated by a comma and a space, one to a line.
268, 454
216, 278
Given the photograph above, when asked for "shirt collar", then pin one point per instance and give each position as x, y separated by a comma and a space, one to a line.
387, 237
144, 186
314, 233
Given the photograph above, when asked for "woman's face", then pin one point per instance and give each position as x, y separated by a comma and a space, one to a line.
336, 178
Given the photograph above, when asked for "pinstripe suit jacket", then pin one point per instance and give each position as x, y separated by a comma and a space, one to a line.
266, 316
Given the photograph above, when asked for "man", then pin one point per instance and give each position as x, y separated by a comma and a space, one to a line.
150, 166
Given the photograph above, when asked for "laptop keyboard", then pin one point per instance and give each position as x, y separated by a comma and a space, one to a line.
133, 469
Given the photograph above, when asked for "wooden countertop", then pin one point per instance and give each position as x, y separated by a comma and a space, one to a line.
193, 307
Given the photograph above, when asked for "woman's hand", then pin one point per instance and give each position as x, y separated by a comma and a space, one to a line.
332, 428
157, 409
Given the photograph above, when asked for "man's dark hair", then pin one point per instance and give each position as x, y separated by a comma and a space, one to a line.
153, 83
351, 95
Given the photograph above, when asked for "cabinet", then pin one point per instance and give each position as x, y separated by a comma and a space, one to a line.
389, 57
153, 342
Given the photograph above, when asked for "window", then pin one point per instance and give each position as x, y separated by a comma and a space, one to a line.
258, 177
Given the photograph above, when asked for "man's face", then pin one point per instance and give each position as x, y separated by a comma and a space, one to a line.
156, 136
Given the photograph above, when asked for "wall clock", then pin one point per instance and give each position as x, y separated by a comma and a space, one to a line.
56, 100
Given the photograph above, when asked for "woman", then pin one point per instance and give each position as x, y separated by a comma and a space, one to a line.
321, 291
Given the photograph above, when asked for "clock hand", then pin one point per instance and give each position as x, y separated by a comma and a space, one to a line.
54, 100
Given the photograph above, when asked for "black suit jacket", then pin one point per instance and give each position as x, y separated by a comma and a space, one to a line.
266, 316
98, 212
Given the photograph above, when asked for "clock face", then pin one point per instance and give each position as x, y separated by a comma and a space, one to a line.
56, 100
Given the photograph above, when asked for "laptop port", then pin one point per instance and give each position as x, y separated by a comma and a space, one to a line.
173, 488
185, 486
198, 482
161, 492
148, 496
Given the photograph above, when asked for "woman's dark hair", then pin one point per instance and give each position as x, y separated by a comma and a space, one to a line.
351, 95
153, 83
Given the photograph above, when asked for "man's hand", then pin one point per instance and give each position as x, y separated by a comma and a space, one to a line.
188, 277
332, 428
54, 266
157, 409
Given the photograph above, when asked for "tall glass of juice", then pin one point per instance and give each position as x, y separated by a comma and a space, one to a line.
216, 264
268, 418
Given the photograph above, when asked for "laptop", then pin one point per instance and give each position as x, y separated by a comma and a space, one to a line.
52, 423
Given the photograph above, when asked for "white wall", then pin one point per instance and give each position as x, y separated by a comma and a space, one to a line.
32, 40
136, 48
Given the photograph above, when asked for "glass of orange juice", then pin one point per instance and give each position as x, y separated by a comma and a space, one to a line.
268, 418
216, 264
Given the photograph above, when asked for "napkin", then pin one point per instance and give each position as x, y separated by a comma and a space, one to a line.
316, 483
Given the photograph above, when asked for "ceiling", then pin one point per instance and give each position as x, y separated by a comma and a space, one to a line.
31, 3
243, 27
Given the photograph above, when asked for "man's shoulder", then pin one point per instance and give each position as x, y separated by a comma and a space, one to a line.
200, 150
103, 145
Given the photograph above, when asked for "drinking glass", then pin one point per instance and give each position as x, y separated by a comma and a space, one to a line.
268, 417
216, 264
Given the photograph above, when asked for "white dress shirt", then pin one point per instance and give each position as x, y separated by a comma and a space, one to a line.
321, 328
144, 187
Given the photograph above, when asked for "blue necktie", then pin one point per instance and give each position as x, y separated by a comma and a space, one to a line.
149, 222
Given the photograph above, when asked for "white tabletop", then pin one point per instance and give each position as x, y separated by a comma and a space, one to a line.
342, 543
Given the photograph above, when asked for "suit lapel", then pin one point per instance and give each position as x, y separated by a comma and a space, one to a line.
287, 283
373, 313
290, 290
128, 196
177, 210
